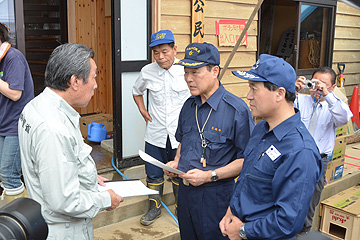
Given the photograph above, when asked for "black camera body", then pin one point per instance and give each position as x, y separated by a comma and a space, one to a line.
21, 219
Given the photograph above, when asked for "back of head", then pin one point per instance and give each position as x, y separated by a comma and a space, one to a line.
67, 60
4, 33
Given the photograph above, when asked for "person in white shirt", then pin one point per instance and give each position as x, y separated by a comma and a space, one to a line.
167, 92
322, 112
58, 170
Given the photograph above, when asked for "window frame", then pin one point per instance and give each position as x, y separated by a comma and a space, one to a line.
331, 4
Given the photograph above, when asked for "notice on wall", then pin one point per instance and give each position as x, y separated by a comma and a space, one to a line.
286, 46
198, 19
229, 31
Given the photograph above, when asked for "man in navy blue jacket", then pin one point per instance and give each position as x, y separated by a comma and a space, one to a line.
282, 163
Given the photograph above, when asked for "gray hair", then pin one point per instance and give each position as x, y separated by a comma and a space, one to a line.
67, 60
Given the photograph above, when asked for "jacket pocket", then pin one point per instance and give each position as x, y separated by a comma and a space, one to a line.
179, 93
259, 187
216, 145
156, 94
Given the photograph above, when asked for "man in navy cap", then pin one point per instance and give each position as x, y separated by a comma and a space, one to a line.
214, 128
282, 162
167, 91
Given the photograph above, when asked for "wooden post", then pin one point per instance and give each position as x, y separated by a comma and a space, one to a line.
198, 21
249, 21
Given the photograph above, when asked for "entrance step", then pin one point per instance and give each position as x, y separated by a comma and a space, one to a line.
134, 207
164, 228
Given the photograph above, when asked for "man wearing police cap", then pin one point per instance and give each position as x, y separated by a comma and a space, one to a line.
213, 130
282, 163
167, 91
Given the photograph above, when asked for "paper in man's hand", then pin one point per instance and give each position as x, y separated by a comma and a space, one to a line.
147, 158
127, 188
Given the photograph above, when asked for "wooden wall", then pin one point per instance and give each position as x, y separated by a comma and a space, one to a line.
347, 45
175, 15
90, 24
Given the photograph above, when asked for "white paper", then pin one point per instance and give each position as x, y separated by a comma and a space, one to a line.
147, 158
128, 188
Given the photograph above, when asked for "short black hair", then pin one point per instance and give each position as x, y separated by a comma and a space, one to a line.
210, 66
4, 33
289, 96
172, 45
326, 70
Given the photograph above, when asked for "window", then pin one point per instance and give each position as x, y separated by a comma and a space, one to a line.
300, 32
7, 16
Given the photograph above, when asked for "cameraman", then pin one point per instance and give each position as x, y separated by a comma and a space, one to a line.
321, 112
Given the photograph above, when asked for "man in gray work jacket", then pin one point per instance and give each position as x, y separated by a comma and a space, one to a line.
58, 170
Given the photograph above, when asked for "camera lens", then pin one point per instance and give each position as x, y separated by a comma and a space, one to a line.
10, 229
21, 219
309, 84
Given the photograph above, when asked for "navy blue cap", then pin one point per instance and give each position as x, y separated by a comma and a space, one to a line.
200, 54
271, 69
161, 37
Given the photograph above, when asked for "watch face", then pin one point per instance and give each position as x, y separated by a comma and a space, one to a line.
214, 177
242, 232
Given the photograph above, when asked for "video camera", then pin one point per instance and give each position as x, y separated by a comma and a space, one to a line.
21, 219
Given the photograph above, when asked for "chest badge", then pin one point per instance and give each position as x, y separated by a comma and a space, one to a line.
273, 153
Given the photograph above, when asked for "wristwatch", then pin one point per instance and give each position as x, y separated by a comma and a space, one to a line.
242, 232
214, 176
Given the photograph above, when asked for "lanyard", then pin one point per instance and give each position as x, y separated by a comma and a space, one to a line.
314, 104
203, 140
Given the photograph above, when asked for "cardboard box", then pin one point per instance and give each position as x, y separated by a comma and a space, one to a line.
339, 148
341, 94
335, 170
106, 119
349, 128
340, 131
341, 215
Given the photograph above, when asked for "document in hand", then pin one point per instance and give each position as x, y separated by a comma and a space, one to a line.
127, 188
147, 158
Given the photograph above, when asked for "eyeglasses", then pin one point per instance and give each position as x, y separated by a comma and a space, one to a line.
6, 26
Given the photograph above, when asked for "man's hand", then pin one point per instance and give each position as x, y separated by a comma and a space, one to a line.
115, 200
101, 179
225, 221
146, 116
139, 100
173, 164
319, 85
230, 225
197, 177
300, 82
